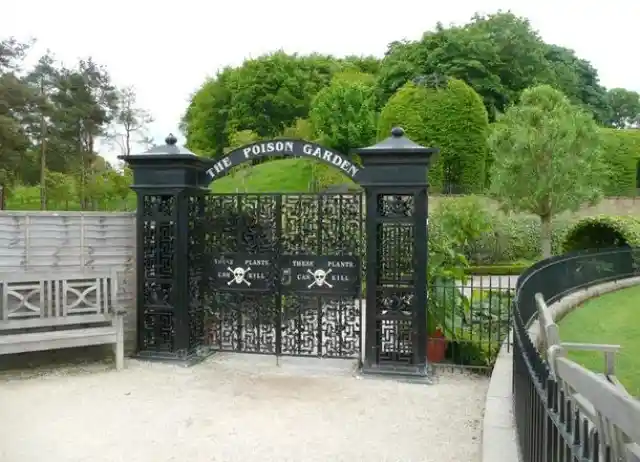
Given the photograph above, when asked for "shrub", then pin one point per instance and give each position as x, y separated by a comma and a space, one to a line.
622, 152
450, 117
602, 231
464, 219
488, 236
514, 269
407, 109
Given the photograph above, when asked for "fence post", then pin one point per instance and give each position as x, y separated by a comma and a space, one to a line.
170, 316
395, 184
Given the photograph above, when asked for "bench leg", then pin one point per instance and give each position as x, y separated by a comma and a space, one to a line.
118, 348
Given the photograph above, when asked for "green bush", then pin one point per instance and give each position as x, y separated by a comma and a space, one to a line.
622, 153
487, 236
450, 117
498, 270
407, 108
602, 231
464, 219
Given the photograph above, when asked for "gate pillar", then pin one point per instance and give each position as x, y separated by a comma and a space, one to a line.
395, 326
170, 184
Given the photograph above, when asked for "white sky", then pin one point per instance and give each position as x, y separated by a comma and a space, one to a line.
167, 49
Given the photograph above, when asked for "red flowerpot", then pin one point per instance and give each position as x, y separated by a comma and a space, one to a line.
436, 347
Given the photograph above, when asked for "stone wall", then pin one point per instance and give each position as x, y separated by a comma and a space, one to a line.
58, 241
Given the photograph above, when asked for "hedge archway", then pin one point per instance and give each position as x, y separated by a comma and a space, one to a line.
603, 231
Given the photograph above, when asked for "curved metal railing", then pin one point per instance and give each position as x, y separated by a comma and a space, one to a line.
548, 427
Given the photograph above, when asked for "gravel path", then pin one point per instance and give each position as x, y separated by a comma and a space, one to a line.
236, 408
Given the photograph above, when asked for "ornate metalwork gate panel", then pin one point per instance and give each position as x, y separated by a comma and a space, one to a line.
283, 273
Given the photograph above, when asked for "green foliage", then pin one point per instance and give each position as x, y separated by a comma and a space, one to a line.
408, 108
450, 118
621, 150
625, 107
498, 55
301, 129
514, 269
343, 115
548, 158
263, 95
286, 175
105, 191
488, 236
465, 220
579, 80
602, 231
50, 118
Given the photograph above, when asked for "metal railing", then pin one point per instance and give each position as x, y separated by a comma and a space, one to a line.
549, 425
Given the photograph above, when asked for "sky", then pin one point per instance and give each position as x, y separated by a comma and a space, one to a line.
166, 50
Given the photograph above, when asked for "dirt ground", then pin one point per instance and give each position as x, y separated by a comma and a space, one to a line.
236, 408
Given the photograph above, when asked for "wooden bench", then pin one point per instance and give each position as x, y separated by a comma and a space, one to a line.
60, 310
549, 336
611, 411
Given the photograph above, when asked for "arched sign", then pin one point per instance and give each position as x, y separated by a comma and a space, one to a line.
286, 147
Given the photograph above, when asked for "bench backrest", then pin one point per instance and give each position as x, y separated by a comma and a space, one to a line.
29, 300
617, 415
549, 333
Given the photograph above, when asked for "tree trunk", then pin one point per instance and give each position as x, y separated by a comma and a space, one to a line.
545, 235
43, 164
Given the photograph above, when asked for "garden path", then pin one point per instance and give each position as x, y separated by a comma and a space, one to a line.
236, 407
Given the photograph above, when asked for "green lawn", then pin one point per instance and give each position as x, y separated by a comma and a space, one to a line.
293, 175
613, 318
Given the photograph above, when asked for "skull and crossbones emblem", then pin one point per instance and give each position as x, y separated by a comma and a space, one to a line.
239, 274
319, 278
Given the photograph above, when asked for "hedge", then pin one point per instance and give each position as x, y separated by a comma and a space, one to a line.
622, 153
498, 270
602, 231
452, 118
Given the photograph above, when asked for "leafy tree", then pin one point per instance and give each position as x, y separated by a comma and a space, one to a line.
579, 81
343, 115
130, 122
498, 55
43, 79
205, 122
547, 158
60, 189
301, 129
264, 95
449, 115
625, 108
17, 100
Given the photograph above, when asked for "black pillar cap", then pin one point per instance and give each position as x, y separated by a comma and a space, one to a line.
395, 149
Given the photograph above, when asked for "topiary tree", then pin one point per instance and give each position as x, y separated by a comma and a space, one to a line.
601, 232
407, 108
621, 153
547, 158
447, 114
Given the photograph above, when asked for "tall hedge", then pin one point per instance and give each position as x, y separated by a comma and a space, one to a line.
622, 153
601, 232
450, 117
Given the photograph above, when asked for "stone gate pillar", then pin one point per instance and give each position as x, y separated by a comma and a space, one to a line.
170, 187
395, 187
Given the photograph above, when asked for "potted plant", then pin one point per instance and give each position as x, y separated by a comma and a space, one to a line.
436, 346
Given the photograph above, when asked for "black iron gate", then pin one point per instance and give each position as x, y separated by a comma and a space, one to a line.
282, 273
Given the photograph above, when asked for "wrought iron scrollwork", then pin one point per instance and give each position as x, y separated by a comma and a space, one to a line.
266, 319
158, 229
